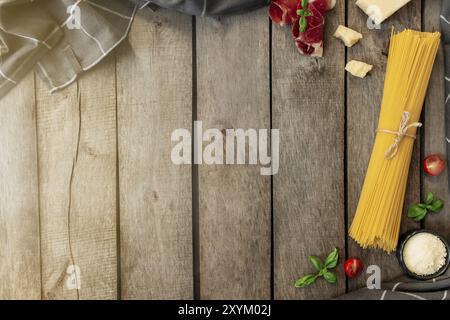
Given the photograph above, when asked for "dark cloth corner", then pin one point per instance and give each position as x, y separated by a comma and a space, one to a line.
205, 7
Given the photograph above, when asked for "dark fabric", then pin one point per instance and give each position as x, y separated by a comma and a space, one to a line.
207, 7
405, 288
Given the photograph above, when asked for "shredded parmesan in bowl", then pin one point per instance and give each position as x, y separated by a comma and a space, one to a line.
424, 254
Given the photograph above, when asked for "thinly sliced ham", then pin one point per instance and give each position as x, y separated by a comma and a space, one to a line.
310, 41
283, 12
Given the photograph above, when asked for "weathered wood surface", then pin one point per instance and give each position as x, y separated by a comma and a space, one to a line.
140, 227
308, 108
19, 216
234, 200
154, 94
77, 177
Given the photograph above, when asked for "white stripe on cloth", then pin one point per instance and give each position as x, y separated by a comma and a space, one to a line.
448, 140
445, 295
395, 286
95, 39
26, 37
144, 5
412, 295
447, 99
204, 8
445, 19
383, 295
109, 10
6, 77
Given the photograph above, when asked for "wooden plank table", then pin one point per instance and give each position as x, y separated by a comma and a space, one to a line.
87, 183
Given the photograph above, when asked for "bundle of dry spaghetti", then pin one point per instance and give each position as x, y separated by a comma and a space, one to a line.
378, 216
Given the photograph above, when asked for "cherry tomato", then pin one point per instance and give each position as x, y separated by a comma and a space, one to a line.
434, 165
353, 267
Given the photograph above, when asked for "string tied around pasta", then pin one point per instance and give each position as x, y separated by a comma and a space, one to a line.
402, 132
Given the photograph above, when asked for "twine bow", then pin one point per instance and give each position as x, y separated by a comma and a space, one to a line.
392, 150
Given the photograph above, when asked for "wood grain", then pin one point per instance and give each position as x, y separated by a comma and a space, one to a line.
308, 108
363, 106
154, 87
434, 142
20, 276
234, 200
85, 236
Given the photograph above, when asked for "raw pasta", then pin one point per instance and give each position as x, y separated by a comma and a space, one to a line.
377, 220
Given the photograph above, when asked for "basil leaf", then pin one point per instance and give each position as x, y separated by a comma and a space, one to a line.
415, 211
420, 217
307, 13
300, 12
332, 259
436, 206
429, 199
304, 3
305, 281
303, 24
316, 262
421, 205
330, 277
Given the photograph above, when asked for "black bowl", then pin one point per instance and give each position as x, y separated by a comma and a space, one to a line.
404, 238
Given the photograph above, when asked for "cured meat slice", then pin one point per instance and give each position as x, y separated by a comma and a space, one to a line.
308, 22
283, 12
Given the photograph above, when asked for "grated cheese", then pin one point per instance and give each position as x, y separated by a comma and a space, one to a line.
424, 254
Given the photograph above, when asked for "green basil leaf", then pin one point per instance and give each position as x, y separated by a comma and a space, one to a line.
305, 281
330, 277
436, 206
420, 217
415, 210
316, 262
307, 13
421, 205
303, 24
300, 12
429, 199
304, 3
332, 259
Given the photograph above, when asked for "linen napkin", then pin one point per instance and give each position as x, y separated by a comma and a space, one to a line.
61, 38
206, 7
405, 289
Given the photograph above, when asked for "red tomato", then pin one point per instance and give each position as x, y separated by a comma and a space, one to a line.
434, 165
353, 267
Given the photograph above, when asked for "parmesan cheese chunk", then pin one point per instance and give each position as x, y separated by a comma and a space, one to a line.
358, 68
347, 35
380, 10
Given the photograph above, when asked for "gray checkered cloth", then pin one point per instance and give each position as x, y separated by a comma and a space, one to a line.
44, 34
63, 38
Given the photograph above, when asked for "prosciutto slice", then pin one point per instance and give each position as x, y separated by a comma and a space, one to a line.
310, 41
